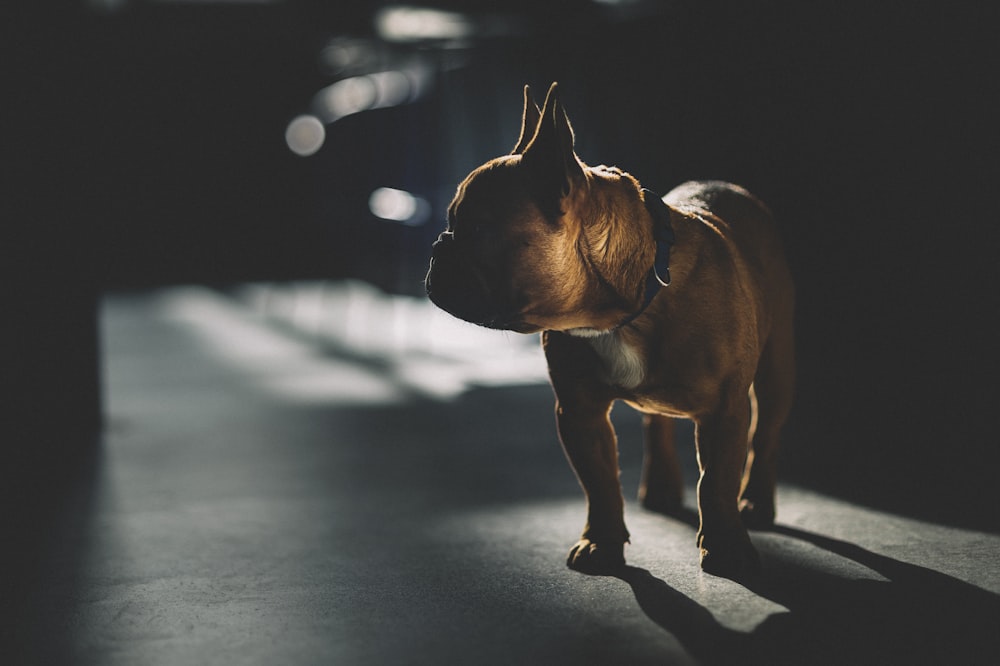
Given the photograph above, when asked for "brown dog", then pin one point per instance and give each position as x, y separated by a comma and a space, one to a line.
681, 307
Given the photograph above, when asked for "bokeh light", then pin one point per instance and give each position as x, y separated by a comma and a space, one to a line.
305, 135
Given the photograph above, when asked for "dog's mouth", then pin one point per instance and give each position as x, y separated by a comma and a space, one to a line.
515, 325
480, 314
474, 308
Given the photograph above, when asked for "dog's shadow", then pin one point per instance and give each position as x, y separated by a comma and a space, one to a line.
915, 616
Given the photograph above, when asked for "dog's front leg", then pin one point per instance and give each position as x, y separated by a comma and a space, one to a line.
721, 439
589, 440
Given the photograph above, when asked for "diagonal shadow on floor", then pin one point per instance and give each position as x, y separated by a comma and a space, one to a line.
915, 616
48, 491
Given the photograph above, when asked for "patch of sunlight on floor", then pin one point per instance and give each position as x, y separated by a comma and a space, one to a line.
348, 343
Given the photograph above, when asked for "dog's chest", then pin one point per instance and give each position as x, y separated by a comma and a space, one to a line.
622, 364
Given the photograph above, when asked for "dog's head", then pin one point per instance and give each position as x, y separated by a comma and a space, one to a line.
511, 255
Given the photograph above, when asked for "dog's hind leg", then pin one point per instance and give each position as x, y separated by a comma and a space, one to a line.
721, 437
661, 487
773, 386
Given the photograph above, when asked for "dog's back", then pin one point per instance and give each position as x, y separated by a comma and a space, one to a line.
748, 222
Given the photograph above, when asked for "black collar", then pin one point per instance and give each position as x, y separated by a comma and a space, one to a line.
663, 233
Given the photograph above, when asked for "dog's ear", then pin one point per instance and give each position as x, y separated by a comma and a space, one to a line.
529, 123
555, 168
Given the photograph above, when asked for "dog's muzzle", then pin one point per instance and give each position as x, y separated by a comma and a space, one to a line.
455, 284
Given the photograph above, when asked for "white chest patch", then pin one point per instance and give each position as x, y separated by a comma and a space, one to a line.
623, 365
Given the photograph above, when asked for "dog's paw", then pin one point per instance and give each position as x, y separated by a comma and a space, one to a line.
590, 557
757, 515
734, 558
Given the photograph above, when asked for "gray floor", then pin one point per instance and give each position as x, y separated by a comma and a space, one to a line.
332, 484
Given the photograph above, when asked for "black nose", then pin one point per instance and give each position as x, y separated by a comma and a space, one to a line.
445, 239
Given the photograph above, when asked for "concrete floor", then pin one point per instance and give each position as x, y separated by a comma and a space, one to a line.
336, 486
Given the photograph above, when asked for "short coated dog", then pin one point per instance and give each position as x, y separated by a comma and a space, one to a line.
681, 307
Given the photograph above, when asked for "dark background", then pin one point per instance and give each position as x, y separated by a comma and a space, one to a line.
143, 145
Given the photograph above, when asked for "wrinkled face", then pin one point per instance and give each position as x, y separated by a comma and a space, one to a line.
500, 262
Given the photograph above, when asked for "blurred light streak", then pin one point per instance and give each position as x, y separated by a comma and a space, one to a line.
378, 90
399, 206
351, 95
305, 135
391, 88
402, 23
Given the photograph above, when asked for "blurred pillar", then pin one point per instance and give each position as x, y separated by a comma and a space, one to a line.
50, 236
